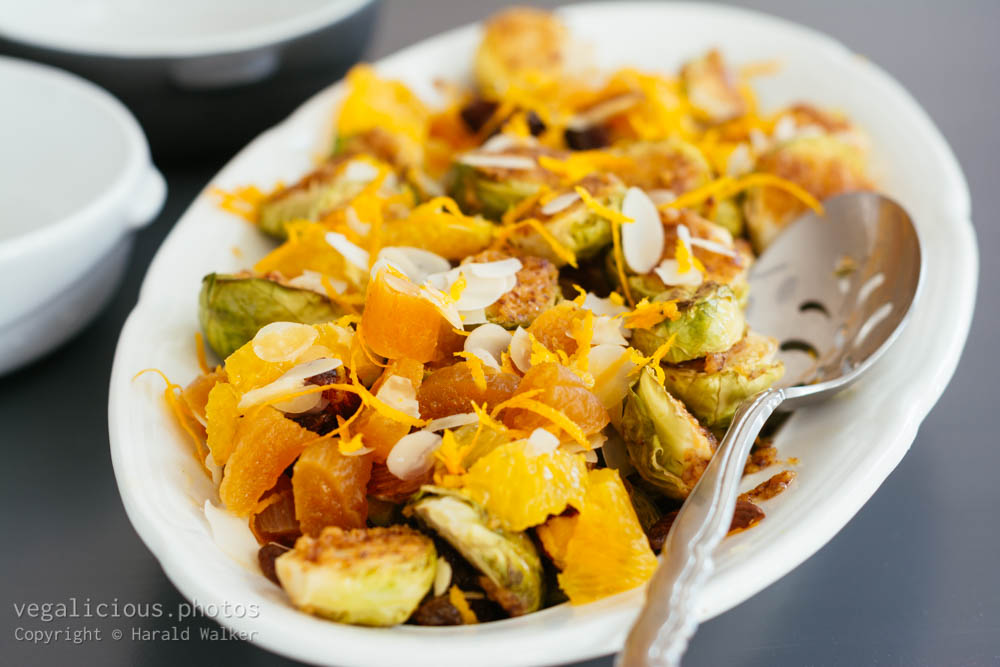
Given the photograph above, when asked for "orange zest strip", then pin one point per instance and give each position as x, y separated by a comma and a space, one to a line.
526, 402
181, 413
458, 601
726, 187
523, 206
561, 251
475, 365
648, 314
199, 348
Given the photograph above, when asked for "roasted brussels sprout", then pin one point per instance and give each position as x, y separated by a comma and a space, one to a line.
575, 227
667, 446
726, 263
509, 562
333, 183
712, 388
374, 576
535, 292
670, 164
710, 321
493, 186
517, 43
232, 308
824, 165
712, 88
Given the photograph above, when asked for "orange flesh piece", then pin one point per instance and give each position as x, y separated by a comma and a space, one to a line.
451, 390
330, 488
378, 431
265, 444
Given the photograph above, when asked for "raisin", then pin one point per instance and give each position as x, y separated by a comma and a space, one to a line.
266, 556
588, 138
477, 112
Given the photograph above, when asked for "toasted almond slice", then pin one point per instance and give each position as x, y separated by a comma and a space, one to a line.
642, 239
413, 455
283, 341
354, 254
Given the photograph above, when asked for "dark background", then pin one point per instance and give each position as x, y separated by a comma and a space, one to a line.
912, 580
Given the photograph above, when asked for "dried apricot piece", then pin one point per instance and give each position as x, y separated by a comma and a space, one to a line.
451, 390
608, 552
554, 327
265, 444
222, 418
379, 431
562, 389
520, 487
330, 488
399, 321
386, 486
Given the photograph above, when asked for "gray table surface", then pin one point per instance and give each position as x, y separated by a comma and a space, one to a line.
912, 580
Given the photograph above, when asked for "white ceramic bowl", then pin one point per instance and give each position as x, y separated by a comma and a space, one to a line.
77, 181
188, 67
846, 447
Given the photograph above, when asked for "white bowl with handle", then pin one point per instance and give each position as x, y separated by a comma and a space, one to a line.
845, 447
77, 182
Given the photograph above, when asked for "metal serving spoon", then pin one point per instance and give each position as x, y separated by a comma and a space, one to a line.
836, 291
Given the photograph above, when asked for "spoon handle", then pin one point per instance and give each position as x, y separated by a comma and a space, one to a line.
669, 618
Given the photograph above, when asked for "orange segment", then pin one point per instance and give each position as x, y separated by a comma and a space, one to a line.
452, 390
521, 488
399, 322
608, 552
554, 535
195, 395
222, 417
559, 388
378, 431
330, 488
265, 444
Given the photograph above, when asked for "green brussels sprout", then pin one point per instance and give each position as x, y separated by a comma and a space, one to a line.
493, 190
315, 194
670, 164
667, 446
374, 576
710, 321
712, 389
824, 165
233, 308
509, 561
644, 505
518, 44
728, 214
575, 227
712, 88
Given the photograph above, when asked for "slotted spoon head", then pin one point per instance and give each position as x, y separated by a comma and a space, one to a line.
836, 289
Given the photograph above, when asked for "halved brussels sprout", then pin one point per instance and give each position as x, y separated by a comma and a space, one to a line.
575, 227
518, 43
331, 184
667, 446
374, 576
535, 292
712, 388
509, 562
232, 308
824, 165
492, 190
670, 164
710, 321
712, 88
